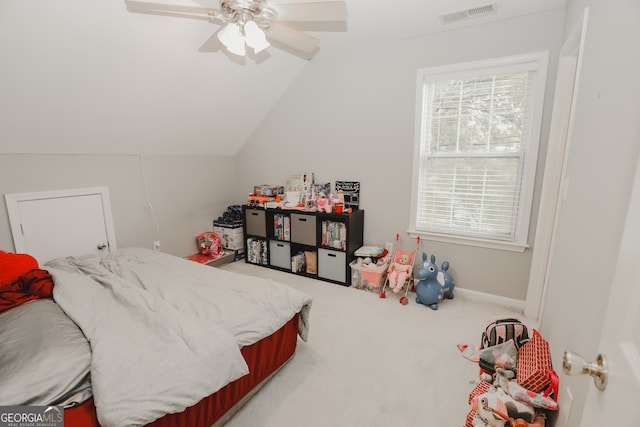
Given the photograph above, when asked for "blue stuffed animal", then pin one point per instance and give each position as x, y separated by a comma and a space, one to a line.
429, 291
446, 280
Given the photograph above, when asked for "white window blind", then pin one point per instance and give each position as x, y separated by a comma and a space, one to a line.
477, 150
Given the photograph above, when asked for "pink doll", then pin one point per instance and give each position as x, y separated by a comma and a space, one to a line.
399, 271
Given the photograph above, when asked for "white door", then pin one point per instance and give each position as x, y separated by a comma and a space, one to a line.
620, 341
61, 223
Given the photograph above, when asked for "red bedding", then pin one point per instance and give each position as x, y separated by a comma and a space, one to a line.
14, 265
27, 286
21, 280
263, 358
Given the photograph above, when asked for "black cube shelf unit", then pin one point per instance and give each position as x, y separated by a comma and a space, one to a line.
274, 238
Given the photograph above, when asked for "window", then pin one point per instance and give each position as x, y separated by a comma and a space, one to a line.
478, 126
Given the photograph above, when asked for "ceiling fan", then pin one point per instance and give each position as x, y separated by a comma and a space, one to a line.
259, 23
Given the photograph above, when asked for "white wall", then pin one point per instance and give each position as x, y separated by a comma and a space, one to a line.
602, 161
186, 192
352, 118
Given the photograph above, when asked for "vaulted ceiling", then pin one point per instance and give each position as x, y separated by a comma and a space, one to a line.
89, 77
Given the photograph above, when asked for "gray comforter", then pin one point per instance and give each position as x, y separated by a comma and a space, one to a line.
166, 332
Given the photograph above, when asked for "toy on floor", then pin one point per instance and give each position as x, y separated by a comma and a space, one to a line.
447, 280
433, 285
504, 380
498, 409
400, 271
209, 244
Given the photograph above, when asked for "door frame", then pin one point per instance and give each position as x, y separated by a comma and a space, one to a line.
555, 183
13, 201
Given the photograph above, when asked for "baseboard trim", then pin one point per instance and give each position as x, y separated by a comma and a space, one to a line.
511, 303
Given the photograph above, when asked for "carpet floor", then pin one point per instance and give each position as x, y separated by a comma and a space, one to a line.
371, 362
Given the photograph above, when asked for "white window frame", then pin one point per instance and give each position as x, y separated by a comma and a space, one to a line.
536, 62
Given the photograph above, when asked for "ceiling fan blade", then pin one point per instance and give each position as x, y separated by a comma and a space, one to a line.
212, 44
148, 7
317, 11
174, 14
293, 41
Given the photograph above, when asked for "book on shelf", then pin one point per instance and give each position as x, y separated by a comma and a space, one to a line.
282, 227
334, 234
257, 251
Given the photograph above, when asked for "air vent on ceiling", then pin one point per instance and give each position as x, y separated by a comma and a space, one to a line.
472, 12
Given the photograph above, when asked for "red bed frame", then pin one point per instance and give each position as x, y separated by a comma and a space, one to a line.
264, 358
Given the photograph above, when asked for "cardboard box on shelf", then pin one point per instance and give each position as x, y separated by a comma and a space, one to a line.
300, 182
268, 190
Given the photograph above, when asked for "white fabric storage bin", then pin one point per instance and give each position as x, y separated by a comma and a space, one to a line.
332, 265
280, 254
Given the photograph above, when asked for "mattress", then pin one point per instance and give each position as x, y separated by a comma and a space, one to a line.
264, 358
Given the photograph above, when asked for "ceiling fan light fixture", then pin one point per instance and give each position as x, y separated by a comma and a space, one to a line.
255, 37
237, 48
244, 23
231, 37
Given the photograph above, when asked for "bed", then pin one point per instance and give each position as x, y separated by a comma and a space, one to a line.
139, 337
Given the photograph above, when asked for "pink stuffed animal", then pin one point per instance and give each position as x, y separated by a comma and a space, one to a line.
324, 204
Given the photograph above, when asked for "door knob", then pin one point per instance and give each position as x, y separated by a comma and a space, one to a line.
102, 246
574, 364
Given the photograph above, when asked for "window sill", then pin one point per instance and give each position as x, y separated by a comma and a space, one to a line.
470, 241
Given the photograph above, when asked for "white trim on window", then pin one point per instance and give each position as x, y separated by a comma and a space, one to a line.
535, 65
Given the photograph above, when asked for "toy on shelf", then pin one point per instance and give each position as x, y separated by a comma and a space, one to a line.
433, 285
255, 200
324, 204
292, 199
268, 190
350, 193
231, 215
320, 190
400, 271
